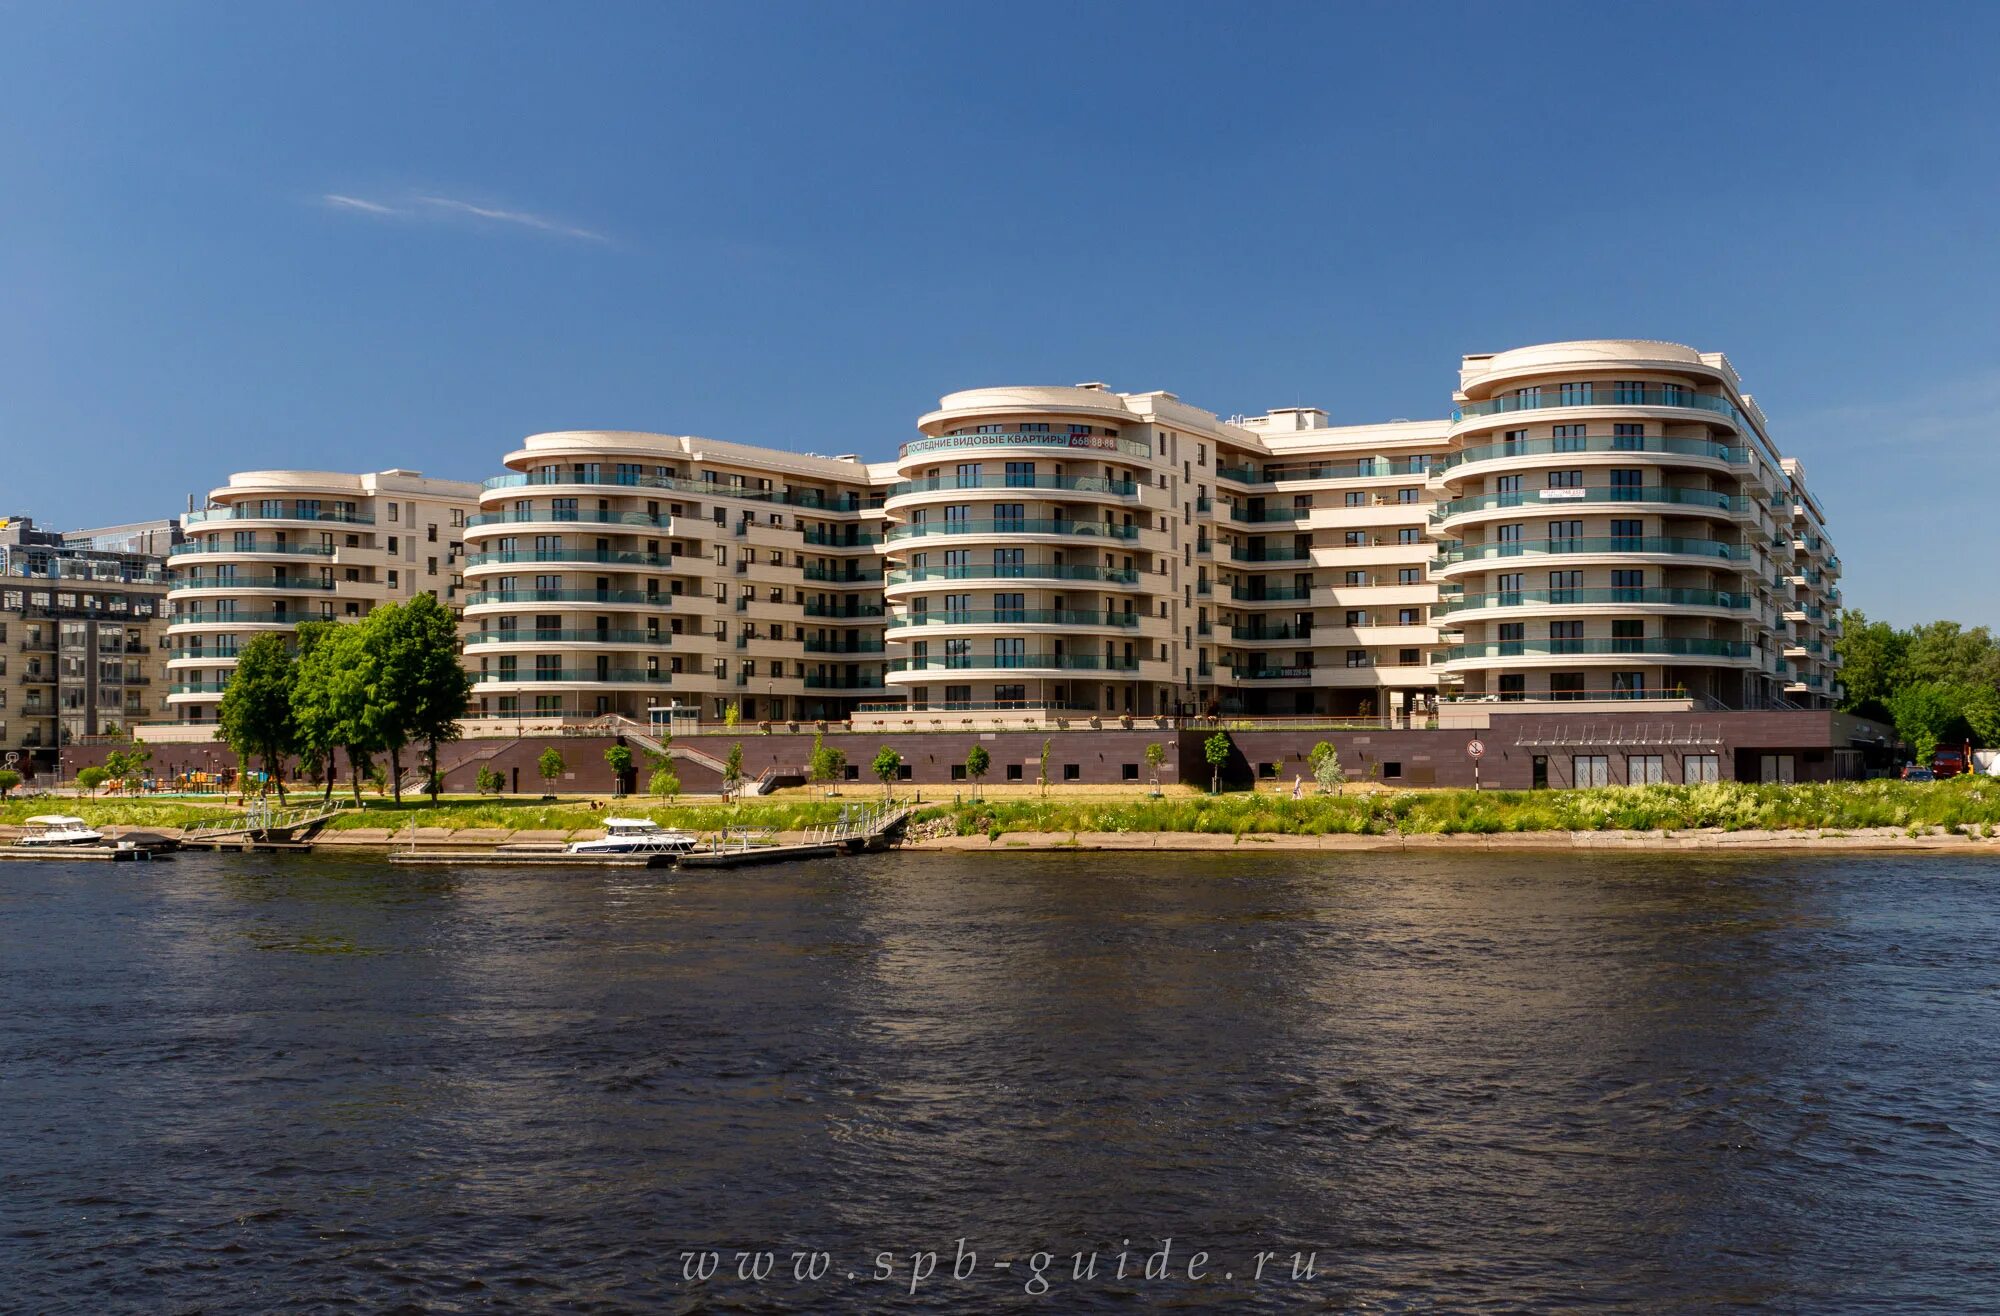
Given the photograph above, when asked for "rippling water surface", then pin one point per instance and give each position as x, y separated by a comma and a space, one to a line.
1468, 1082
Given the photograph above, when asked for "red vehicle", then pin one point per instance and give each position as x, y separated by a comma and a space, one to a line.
1948, 762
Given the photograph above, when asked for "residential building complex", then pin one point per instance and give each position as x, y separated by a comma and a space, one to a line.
1605, 521
275, 548
79, 636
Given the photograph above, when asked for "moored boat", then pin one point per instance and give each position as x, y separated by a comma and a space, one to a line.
48, 829
635, 836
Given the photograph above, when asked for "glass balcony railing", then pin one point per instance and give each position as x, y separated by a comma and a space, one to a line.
819, 644
835, 539
1069, 662
1016, 617
589, 478
569, 516
249, 582
1557, 499
1264, 514
864, 681
259, 618
1537, 598
197, 687
1605, 395
1654, 646
580, 675
1364, 469
1032, 571
294, 512
1269, 553
591, 636
1269, 673
1638, 446
631, 596
814, 608
1093, 484
1652, 544
842, 575
1031, 525
268, 546
1271, 594
596, 557
1264, 634
1027, 439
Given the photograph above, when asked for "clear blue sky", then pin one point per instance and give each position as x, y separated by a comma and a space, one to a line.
353, 235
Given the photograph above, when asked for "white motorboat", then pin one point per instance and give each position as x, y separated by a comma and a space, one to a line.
635, 836
59, 829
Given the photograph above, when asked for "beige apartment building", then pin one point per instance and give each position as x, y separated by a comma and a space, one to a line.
275, 548
1595, 522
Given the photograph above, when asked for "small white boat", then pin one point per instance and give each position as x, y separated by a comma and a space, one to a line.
635, 836
59, 829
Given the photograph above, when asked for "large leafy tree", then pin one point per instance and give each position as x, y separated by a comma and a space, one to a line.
255, 716
1871, 655
421, 686
330, 700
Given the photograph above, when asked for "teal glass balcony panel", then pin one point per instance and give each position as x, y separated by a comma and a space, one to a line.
1030, 525
258, 618
1556, 500
596, 557
1109, 575
611, 675
631, 596
819, 644
1654, 646
1535, 598
552, 516
835, 539
1267, 514
591, 636
1605, 395
841, 574
1365, 469
198, 688
1017, 617
1269, 673
1095, 484
249, 582
1268, 553
1022, 439
817, 681
252, 512
814, 609
1638, 446
1647, 544
1077, 662
260, 546
1259, 634
710, 489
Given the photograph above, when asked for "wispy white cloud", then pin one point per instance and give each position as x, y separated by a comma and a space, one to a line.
447, 208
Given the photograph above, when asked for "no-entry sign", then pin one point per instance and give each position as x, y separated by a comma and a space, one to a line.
1475, 748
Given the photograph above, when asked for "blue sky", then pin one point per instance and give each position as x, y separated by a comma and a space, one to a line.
351, 236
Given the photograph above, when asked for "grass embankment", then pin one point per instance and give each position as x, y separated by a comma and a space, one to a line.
1972, 804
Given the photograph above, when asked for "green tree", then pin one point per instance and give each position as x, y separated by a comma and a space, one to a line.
331, 697
128, 766
886, 765
819, 769
1948, 654
89, 779
1924, 712
1156, 757
1042, 770
732, 769
1324, 760
619, 759
9, 779
836, 767
1871, 655
664, 783
731, 715
977, 764
1216, 750
423, 675
255, 715
488, 782
551, 766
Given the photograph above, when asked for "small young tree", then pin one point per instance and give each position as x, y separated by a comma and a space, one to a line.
551, 766
127, 767
1216, 750
731, 715
836, 766
9, 779
732, 769
1324, 760
977, 764
1042, 771
887, 764
1156, 755
89, 779
664, 783
488, 782
818, 770
619, 759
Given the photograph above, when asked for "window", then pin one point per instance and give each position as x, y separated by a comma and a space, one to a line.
1128, 772
1072, 772
1406, 496
1628, 531
1513, 689
1569, 438
1626, 485
1355, 539
1565, 637
1574, 395
1565, 479
1627, 586
1566, 686
1013, 772
1628, 685
1565, 530
1356, 498
1698, 768
1409, 658
1410, 535
1407, 617
1628, 438
1563, 586
1645, 770
1628, 636
1507, 484
1591, 770
1357, 657
1356, 578
431, 533
1391, 770
1409, 575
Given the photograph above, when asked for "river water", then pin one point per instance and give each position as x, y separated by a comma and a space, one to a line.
1620, 1083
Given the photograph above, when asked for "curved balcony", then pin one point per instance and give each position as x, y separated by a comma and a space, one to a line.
268, 548
1102, 575
1710, 550
594, 557
820, 644
1270, 673
1082, 484
712, 489
981, 662
628, 636
1648, 448
257, 583
1561, 650
631, 597
1026, 441
1365, 469
575, 676
1269, 553
835, 539
841, 681
856, 611
1558, 599
239, 512
843, 575
1016, 617
1030, 525
548, 516
1559, 500
1572, 397
197, 688
240, 619
1280, 634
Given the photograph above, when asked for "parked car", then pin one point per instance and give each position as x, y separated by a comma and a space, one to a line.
1911, 772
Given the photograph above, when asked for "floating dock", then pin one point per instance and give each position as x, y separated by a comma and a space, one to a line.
525, 859
744, 856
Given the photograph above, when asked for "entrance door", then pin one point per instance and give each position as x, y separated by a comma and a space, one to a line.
1541, 781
